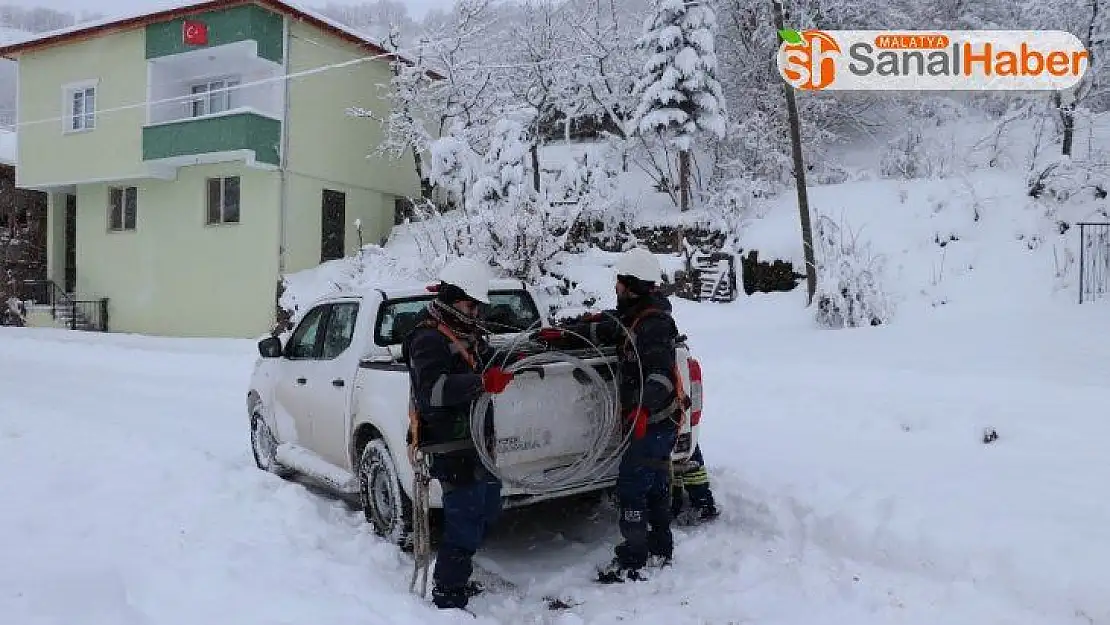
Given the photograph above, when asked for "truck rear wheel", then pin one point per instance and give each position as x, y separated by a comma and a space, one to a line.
385, 504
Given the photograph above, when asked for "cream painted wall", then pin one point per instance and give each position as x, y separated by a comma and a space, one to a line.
55, 237
113, 150
305, 219
174, 275
325, 142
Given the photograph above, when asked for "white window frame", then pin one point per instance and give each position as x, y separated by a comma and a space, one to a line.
226, 95
85, 121
223, 220
124, 192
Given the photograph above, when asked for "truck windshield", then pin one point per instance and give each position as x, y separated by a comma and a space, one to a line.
507, 312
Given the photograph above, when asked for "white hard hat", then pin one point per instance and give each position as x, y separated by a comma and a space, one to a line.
639, 263
470, 276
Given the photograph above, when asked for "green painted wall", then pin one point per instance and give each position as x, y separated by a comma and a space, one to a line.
332, 147
173, 275
305, 217
224, 26
113, 150
222, 133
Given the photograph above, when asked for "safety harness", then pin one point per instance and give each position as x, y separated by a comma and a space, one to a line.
681, 402
419, 458
678, 406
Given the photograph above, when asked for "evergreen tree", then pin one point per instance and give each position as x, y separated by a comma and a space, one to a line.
679, 95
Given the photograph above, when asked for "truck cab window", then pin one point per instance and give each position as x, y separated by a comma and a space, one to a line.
340, 330
507, 312
305, 340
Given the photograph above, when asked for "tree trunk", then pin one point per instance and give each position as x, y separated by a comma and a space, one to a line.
535, 151
684, 180
425, 183
799, 175
1067, 116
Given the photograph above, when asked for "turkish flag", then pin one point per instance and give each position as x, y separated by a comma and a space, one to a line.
194, 33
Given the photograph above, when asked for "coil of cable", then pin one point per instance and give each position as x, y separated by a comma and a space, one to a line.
593, 464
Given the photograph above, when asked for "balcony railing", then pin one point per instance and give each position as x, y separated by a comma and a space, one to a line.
232, 131
72, 313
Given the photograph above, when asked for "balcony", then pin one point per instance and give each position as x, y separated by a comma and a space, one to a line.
237, 134
216, 104
211, 80
250, 24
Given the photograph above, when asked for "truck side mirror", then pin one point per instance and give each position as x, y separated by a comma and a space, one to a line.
270, 347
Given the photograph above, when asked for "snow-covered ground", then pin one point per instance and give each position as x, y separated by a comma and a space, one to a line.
849, 464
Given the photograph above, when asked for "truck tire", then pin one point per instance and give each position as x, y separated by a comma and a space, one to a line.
264, 446
384, 503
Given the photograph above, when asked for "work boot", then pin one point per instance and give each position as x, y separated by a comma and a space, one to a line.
616, 573
448, 598
474, 588
708, 513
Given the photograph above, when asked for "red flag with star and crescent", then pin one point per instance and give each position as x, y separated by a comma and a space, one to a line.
194, 33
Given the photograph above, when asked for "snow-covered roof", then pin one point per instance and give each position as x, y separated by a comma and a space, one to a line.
7, 147
167, 10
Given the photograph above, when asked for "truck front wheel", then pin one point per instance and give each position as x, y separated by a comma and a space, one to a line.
385, 504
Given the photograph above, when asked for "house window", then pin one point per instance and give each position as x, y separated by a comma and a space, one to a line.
213, 96
81, 104
122, 208
223, 200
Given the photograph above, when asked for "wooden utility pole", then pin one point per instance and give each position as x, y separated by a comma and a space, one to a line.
799, 171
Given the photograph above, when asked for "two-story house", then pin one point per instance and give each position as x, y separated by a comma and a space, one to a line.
192, 156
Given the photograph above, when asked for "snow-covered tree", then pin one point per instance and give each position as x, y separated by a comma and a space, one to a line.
442, 82
500, 216
679, 95
379, 19
1089, 21
516, 219
540, 81
605, 64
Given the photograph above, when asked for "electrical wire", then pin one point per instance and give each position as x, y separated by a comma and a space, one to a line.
603, 449
252, 83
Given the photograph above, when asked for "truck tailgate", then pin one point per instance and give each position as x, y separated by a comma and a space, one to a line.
544, 422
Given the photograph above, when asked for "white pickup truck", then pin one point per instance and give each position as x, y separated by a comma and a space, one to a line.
332, 403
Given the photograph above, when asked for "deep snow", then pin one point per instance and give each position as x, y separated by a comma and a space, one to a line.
849, 465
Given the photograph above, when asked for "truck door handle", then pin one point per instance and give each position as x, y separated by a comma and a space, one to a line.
337, 382
301, 381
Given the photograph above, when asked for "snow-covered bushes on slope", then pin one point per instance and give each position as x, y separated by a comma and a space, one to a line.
1063, 178
850, 291
917, 154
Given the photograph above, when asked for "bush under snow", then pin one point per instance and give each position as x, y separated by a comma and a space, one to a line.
850, 289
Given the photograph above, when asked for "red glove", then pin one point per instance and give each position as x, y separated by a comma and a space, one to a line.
638, 419
495, 379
